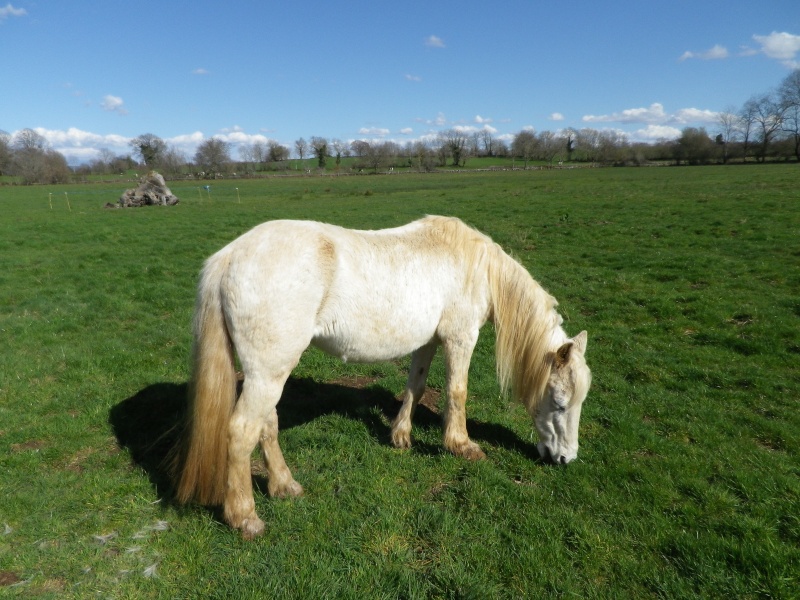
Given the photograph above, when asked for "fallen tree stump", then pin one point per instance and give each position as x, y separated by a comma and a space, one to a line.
151, 191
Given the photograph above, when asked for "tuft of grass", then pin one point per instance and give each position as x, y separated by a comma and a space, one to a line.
687, 479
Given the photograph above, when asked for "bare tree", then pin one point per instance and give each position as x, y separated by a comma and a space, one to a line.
549, 145
259, 153
525, 146
5, 152
570, 139
340, 149
173, 161
277, 152
612, 146
319, 146
28, 139
213, 155
587, 141
301, 147
423, 156
789, 92
746, 125
768, 117
33, 160
149, 148
454, 142
487, 141
728, 122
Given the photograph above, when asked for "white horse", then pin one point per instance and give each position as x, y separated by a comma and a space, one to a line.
363, 296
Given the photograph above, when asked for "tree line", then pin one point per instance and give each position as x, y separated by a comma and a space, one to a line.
766, 127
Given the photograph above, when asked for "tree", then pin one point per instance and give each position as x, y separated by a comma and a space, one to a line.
340, 149
454, 142
789, 92
694, 146
276, 152
213, 155
587, 141
173, 160
319, 146
570, 139
767, 115
149, 148
301, 147
5, 152
549, 145
28, 139
259, 153
32, 159
525, 145
487, 141
728, 129
422, 154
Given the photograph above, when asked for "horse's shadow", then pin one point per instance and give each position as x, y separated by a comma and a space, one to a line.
148, 423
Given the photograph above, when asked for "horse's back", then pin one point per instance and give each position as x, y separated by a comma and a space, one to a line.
360, 295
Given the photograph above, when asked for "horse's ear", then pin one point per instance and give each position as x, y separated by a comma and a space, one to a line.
580, 341
562, 354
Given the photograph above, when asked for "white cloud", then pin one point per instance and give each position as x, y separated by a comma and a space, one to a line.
413, 77
480, 120
439, 121
433, 41
406, 131
694, 115
653, 114
114, 104
651, 133
781, 46
556, 116
10, 11
238, 136
373, 131
470, 129
717, 52
656, 115
200, 71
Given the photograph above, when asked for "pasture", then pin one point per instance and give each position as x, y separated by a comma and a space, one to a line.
687, 482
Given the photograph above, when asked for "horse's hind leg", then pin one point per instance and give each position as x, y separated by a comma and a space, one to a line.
415, 388
250, 418
281, 484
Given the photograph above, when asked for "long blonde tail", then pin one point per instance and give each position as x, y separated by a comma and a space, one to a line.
201, 465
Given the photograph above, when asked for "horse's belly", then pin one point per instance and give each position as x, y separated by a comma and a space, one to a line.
367, 340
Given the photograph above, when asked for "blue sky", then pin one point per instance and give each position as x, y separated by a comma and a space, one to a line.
90, 75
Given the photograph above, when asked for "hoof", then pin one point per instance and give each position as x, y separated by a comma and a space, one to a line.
289, 490
252, 528
401, 440
470, 451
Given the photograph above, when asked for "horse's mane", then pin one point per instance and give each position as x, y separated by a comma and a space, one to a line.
523, 312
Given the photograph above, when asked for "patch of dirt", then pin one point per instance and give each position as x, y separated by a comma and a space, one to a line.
29, 445
430, 400
356, 381
8, 578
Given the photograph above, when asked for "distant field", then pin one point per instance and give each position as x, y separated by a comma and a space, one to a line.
687, 483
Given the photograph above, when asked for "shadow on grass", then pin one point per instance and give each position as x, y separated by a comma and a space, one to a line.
147, 424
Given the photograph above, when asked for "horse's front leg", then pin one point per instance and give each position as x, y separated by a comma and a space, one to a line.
415, 388
456, 440
281, 484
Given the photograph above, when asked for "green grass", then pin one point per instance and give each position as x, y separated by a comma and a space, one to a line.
688, 479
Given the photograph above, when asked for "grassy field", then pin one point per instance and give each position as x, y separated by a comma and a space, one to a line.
688, 479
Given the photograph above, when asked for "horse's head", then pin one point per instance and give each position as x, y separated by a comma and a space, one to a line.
559, 412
